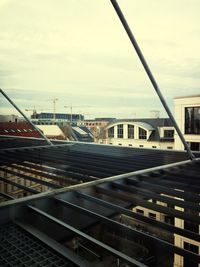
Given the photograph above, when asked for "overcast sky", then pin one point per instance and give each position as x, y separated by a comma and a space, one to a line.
77, 51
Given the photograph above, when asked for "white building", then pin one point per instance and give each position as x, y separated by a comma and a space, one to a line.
148, 133
52, 131
187, 115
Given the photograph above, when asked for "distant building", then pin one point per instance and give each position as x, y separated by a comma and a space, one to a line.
10, 118
187, 115
97, 126
61, 126
53, 132
51, 118
22, 129
148, 133
67, 132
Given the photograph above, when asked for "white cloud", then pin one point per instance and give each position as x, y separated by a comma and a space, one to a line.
78, 50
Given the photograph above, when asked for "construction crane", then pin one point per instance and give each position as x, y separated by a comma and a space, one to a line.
34, 112
54, 107
71, 109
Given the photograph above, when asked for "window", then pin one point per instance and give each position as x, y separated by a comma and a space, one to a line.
140, 211
141, 146
152, 215
191, 226
111, 132
169, 219
192, 248
142, 134
192, 120
169, 147
154, 146
130, 131
119, 144
120, 131
168, 133
195, 146
130, 145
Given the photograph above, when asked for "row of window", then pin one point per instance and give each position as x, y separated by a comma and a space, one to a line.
92, 123
169, 147
120, 132
59, 116
151, 215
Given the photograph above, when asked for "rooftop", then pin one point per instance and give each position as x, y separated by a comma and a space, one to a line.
92, 190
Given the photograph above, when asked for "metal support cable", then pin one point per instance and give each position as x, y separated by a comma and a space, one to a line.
150, 75
26, 118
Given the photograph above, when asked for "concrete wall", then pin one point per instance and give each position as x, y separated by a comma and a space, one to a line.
180, 104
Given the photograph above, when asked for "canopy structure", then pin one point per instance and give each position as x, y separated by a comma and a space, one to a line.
90, 211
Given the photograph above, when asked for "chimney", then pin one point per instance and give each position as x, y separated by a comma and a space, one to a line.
154, 114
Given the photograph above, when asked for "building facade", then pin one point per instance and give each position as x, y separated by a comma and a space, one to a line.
187, 115
148, 133
97, 127
52, 118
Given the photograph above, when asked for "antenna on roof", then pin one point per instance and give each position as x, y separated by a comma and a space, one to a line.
26, 118
150, 75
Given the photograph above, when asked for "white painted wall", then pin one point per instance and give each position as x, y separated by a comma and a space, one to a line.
180, 104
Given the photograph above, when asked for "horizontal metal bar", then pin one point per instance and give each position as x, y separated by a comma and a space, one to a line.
176, 185
10, 159
34, 147
30, 178
137, 201
130, 231
151, 195
87, 237
101, 181
6, 195
143, 183
137, 216
28, 189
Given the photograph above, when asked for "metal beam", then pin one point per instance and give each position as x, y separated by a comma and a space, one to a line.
30, 178
137, 201
28, 189
87, 237
150, 75
6, 195
64, 251
26, 118
137, 216
146, 193
144, 183
130, 231
101, 181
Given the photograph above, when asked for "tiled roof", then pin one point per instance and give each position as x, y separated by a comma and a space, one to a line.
18, 129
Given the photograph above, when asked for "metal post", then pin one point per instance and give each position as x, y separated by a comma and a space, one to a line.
150, 75
26, 118
71, 114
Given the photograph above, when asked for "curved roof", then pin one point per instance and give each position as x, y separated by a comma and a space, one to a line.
142, 124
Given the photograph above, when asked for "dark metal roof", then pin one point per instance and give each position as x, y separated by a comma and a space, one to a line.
116, 182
